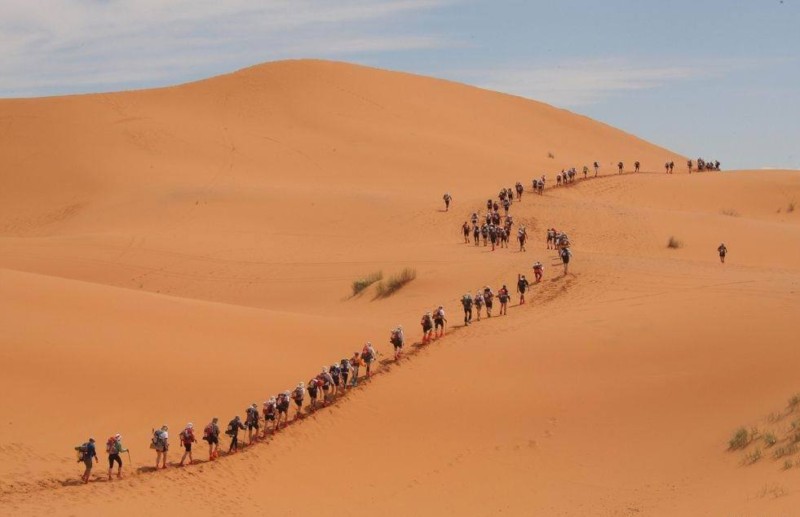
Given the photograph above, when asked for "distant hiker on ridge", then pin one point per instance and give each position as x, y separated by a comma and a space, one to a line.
722, 252
447, 198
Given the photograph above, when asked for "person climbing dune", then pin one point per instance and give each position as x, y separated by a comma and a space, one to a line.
86, 453
114, 448
211, 436
187, 439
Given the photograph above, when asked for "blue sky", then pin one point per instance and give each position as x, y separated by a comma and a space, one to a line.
712, 78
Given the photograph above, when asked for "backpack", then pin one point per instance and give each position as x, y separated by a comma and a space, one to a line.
82, 450
298, 393
231, 428
395, 339
345, 366
111, 445
439, 314
208, 432
366, 354
185, 436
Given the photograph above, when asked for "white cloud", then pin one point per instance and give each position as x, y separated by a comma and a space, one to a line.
583, 82
67, 45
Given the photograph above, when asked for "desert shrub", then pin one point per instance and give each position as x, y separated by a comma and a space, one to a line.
674, 243
752, 457
730, 212
551, 155
770, 439
787, 464
395, 282
780, 452
362, 283
790, 207
794, 401
739, 440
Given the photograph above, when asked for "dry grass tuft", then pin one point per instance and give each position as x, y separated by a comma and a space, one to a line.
395, 283
362, 283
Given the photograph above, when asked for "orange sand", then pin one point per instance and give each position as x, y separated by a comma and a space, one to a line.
174, 254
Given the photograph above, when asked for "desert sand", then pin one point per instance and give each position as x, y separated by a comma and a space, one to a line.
175, 254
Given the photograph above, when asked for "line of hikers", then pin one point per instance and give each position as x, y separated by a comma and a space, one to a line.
703, 165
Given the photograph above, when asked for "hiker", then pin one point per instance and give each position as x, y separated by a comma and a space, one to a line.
427, 327
187, 439
493, 235
368, 354
447, 197
551, 238
488, 298
297, 395
474, 218
585, 171
397, 339
114, 448
619, 166
689, 164
520, 190
503, 296
466, 302
282, 403
251, 421
596, 166
636, 166
476, 234
270, 411
478, 303
344, 366
666, 167
233, 431
484, 232
671, 166
211, 435
438, 322
522, 286
522, 236
722, 252
356, 363
161, 445
327, 384
86, 453
334, 371
538, 271
465, 229
566, 254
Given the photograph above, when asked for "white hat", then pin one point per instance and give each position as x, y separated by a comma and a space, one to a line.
189, 426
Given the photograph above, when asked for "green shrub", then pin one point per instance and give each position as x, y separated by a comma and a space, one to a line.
739, 440
362, 283
395, 283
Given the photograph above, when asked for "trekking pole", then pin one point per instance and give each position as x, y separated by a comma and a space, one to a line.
130, 461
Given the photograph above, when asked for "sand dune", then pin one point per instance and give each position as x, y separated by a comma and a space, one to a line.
174, 254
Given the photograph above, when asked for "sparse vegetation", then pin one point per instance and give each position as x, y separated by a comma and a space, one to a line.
794, 401
787, 464
752, 457
674, 243
395, 283
551, 155
770, 439
790, 207
739, 440
362, 283
730, 212
789, 450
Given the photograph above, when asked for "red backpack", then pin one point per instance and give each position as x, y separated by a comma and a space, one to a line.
111, 445
208, 432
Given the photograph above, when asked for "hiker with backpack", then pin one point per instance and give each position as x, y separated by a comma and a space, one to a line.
233, 431
636, 166
538, 271
465, 229
344, 369
297, 395
488, 300
503, 296
478, 303
466, 302
114, 448
251, 422
87, 452
522, 286
283, 408
355, 363
596, 166
722, 252
566, 255
334, 371
522, 236
439, 322
427, 327
619, 166
585, 171
270, 412
327, 383
447, 198
398, 340
368, 355
160, 443
313, 391
211, 435
187, 439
